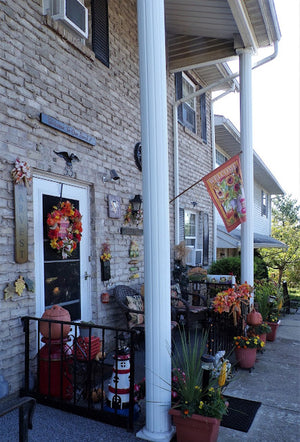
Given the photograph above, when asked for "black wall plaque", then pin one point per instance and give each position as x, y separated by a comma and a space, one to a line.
131, 231
65, 128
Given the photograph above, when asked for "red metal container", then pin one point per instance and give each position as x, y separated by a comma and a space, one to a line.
55, 360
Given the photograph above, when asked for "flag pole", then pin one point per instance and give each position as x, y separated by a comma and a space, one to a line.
197, 182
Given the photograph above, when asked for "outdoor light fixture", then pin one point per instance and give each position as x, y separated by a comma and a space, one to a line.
113, 176
136, 204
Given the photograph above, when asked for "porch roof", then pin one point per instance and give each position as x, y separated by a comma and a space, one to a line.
228, 139
232, 240
201, 32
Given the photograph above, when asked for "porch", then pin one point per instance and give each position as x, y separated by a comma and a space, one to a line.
276, 419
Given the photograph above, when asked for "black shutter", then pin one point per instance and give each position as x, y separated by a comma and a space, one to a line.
205, 239
181, 225
100, 43
203, 117
178, 93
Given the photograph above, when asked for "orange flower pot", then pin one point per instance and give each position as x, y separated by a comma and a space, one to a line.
245, 357
196, 428
272, 335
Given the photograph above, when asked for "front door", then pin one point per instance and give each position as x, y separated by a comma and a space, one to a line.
62, 281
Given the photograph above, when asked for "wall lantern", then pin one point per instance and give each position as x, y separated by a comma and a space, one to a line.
136, 204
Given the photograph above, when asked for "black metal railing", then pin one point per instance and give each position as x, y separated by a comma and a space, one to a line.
73, 372
221, 331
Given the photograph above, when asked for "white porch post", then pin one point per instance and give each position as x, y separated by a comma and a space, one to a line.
151, 32
247, 228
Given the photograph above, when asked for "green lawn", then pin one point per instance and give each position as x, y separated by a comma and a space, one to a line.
295, 293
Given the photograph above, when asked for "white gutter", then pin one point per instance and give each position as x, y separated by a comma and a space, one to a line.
175, 126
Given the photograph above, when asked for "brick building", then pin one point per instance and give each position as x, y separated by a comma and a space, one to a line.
61, 91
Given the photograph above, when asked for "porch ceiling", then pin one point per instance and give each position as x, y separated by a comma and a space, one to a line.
228, 139
201, 32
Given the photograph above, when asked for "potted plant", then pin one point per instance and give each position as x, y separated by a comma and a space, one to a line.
245, 350
273, 322
198, 406
233, 300
268, 297
260, 330
105, 261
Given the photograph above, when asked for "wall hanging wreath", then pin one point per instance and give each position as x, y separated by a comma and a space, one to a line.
64, 228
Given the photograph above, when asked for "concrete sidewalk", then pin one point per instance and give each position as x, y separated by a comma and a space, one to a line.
275, 382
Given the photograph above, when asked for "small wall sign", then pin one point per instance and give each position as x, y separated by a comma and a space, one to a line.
65, 128
114, 206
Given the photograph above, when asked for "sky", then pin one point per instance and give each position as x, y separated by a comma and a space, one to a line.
276, 99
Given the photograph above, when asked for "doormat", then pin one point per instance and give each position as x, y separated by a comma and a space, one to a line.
241, 413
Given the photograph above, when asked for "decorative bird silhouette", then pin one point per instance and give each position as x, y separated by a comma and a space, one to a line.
68, 159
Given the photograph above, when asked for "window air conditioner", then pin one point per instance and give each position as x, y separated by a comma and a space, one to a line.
194, 257
73, 13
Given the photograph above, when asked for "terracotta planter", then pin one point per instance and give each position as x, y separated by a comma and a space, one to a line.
245, 357
263, 337
195, 428
56, 313
272, 335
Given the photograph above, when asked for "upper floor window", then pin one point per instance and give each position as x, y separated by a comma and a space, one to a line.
220, 158
88, 20
264, 204
187, 111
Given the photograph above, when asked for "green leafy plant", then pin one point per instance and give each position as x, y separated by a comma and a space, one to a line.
259, 329
188, 393
269, 299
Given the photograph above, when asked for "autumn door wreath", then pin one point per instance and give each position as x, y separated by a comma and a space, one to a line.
64, 228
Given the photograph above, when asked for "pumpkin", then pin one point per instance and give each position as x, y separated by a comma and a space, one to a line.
254, 318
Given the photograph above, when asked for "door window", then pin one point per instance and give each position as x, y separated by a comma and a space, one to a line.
61, 281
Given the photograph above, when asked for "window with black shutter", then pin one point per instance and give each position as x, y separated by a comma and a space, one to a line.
100, 41
186, 111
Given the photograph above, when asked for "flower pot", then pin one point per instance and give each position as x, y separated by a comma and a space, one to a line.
105, 270
272, 335
56, 313
245, 357
196, 428
263, 337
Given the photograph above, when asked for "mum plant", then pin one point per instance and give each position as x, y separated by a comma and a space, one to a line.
232, 300
248, 342
189, 395
259, 329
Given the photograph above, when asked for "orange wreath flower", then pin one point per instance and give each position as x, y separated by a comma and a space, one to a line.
64, 228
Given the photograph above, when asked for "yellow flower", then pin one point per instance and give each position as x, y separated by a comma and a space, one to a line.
201, 404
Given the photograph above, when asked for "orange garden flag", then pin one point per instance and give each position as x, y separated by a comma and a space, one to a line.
225, 186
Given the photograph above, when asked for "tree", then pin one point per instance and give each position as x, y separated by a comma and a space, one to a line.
285, 228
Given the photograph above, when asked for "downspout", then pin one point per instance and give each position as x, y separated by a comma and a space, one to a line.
175, 126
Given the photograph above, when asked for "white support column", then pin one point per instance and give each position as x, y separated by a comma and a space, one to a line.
247, 228
151, 32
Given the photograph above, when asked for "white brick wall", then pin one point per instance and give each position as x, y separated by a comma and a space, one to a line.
45, 69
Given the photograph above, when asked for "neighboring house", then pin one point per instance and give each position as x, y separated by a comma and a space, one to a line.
72, 84
227, 140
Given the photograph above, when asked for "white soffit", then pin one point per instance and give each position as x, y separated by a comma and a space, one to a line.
201, 32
